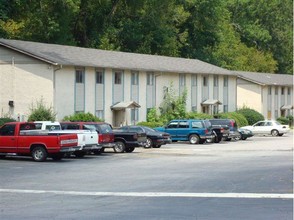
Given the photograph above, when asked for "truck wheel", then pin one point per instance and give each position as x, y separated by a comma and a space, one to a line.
119, 147
194, 139
130, 149
39, 154
149, 143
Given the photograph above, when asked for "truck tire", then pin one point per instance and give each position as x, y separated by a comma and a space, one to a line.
194, 139
39, 153
130, 149
119, 147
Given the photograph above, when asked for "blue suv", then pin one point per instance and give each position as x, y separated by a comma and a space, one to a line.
196, 131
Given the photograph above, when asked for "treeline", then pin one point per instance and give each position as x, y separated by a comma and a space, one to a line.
247, 35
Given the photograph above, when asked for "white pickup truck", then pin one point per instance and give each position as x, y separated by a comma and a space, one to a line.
87, 139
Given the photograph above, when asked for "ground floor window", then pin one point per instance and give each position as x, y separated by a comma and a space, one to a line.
100, 114
225, 108
134, 116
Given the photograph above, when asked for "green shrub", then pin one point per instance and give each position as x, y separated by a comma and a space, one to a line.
239, 118
5, 120
151, 124
283, 120
40, 112
88, 117
196, 115
251, 115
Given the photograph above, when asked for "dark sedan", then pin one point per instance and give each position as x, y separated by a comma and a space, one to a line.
154, 138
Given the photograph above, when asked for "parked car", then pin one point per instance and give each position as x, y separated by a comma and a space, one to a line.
87, 139
193, 130
22, 138
245, 133
266, 127
128, 139
104, 130
220, 129
154, 138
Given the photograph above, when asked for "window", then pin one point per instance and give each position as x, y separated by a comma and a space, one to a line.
194, 108
215, 81
194, 80
276, 90
7, 130
197, 124
117, 78
173, 125
134, 115
226, 81
282, 90
205, 81
182, 80
100, 114
269, 90
225, 108
80, 76
135, 78
289, 91
99, 77
183, 124
150, 79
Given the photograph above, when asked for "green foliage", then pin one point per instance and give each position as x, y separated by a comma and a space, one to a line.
244, 35
5, 120
172, 106
251, 115
40, 112
196, 115
88, 117
151, 124
152, 115
239, 118
283, 120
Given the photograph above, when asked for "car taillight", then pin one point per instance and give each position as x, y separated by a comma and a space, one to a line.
206, 131
222, 130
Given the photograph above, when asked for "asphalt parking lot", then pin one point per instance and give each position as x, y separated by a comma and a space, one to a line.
250, 179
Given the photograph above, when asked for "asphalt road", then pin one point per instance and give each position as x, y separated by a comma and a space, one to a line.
250, 179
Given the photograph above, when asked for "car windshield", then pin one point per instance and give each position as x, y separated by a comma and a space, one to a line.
147, 129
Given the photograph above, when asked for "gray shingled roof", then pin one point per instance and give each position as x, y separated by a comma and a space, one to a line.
77, 56
266, 78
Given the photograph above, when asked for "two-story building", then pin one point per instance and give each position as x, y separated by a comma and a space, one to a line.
269, 94
116, 86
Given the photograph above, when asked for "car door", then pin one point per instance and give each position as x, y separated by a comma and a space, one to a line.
8, 140
183, 130
259, 128
172, 129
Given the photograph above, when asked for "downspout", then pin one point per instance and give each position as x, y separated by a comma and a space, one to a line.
54, 85
155, 77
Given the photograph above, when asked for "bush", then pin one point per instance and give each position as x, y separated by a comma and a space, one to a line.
88, 117
196, 115
151, 124
239, 118
251, 115
283, 120
40, 112
5, 120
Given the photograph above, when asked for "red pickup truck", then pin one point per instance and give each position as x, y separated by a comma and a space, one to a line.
21, 138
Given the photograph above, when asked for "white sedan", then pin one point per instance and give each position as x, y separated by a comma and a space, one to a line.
268, 127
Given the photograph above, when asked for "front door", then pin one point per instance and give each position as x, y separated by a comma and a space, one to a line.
8, 140
119, 118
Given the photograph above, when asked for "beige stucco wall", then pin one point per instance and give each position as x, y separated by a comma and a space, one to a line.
24, 81
249, 95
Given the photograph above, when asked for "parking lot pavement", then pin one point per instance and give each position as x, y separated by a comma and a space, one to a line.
250, 179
